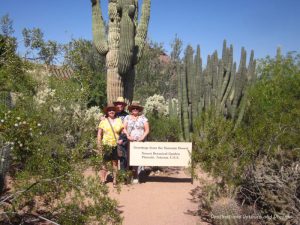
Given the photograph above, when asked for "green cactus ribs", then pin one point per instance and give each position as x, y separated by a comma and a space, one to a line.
122, 45
219, 87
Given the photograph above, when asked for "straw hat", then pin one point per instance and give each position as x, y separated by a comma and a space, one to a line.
109, 107
135, 105
120, 100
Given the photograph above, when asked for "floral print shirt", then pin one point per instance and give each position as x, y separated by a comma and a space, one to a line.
136, 127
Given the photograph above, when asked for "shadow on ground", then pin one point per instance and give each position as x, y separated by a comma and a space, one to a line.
145, 176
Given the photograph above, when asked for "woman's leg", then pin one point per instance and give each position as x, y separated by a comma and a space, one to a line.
103, 174
115, 169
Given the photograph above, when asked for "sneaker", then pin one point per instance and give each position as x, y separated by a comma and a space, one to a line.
135, 181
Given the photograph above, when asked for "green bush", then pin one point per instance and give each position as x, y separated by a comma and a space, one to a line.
217, 147
163, 128
272, 130
260, 158
51, 133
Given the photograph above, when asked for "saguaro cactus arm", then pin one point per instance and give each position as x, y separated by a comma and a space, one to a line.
142, 30
127, 32
98, 28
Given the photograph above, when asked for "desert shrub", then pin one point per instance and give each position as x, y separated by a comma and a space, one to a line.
272, 129
218, 149
163, 128
89, 70
51, 133
260, 159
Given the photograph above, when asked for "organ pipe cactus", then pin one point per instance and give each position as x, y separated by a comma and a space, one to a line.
180, 93
123, 45
219, 87
185, 105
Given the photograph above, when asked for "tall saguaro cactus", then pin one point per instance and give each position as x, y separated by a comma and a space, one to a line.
123, 45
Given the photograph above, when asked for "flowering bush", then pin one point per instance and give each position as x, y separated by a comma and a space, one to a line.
156, 105
43, 95
19, 132
50, 134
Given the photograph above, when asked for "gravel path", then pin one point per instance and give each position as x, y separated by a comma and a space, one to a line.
164, 198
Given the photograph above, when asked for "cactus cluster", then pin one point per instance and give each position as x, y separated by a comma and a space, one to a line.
219, 87
172, 105
4, 164
123, 45
225, 211
6, 99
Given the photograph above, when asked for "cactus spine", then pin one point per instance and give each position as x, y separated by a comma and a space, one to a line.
124, 44
226, 211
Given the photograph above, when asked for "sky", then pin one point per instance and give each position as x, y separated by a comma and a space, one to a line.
261, 25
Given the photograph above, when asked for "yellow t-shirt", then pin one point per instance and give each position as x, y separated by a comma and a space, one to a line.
108, 136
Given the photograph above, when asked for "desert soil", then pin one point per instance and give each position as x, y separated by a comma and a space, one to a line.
163, 198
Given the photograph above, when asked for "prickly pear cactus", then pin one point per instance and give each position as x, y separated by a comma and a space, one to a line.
226, 211
123, 45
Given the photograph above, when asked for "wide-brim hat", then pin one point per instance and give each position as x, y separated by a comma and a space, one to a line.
120, 100
108, 108
135, 105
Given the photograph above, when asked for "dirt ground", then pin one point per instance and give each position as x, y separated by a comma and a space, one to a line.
163, 198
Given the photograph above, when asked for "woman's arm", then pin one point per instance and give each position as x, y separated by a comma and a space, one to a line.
146, 131
99, 138
120, 141
125, 131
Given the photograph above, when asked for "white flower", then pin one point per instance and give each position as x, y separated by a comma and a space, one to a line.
2, 121
43, 95
41, 133
30, 128
39, 124
18, 118
93, 112
24, 122
156, 104
21, 145
16, 124
2, 159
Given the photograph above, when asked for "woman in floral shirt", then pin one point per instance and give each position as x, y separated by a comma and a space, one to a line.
136, 128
